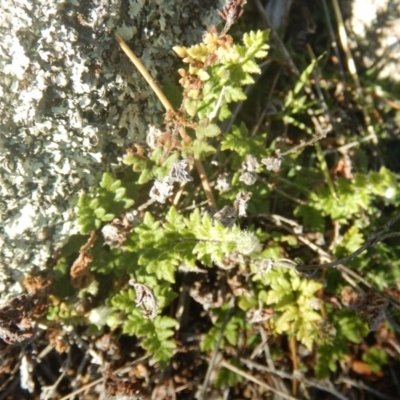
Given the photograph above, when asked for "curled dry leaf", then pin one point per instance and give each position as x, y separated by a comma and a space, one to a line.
240, 203
145, 299
343, 168
81, 276
248, 178
179, 173
161, 190
250, 163
272, 163
231, 12
116, 233
227, 216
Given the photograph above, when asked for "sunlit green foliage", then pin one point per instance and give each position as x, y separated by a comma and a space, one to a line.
108, 201
293, 299
165, 239
346, 328
156, 334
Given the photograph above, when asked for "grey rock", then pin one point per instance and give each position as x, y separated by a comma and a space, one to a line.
70, 103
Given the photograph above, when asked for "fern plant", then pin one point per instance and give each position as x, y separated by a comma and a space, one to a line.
144, 230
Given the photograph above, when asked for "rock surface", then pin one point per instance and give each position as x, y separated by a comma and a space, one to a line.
71, 102
375, 25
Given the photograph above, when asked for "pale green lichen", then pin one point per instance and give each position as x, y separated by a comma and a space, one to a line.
72, 104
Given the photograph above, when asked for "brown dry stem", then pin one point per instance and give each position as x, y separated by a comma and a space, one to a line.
167, 105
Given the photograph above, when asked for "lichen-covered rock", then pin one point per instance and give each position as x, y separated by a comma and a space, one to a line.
71, 101
375, 26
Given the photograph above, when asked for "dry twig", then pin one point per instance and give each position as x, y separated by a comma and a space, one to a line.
168, 107
251, 378
215, 352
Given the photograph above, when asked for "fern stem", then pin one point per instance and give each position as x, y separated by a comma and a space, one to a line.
293, 351
167, 105
142, 69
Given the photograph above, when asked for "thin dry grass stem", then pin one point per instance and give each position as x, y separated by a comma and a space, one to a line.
320, 295
335, 237
371, 241
251, 378
141, 68
182, 309
214, 112
82, 389
178, 195
270, 362
125, 368
286, 375
278, 220
9, 388
79, 372
295, 362
267, 105
396, 346
322, 160
395, 377
297, 229
317, 84
344, 148
333, 39
351, 66
284, 194
167, 105
13, 380
351, 86
48, 392
275, 37
339, 264
49, 348
171, 388
205, 183
194, 206
320, 135
363, 386
148, 203
213, 360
